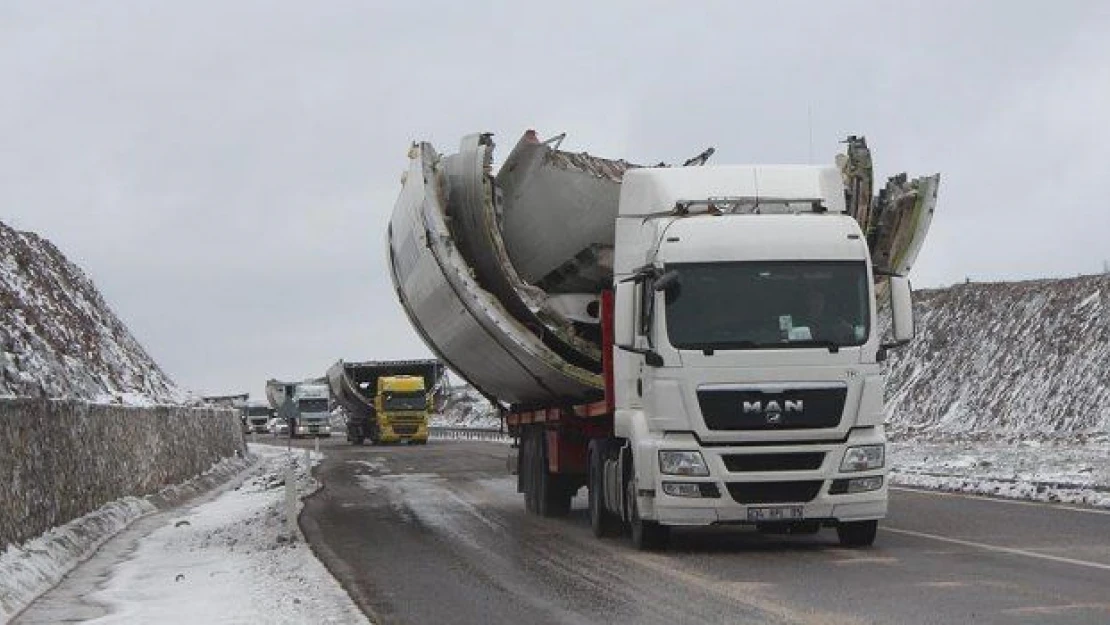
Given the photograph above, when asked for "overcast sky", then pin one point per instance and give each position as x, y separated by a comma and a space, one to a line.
225, 171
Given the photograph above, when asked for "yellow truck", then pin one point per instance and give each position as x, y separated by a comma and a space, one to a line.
402, 404
386, 401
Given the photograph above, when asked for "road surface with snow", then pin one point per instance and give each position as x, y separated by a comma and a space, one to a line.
227, 557
437, 534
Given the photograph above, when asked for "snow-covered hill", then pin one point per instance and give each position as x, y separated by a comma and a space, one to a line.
58, 338
465, 407
1006, 360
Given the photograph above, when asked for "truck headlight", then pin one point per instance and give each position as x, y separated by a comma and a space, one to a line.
682, 463
863, 458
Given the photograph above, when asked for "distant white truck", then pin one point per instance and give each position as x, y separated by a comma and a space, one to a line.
308, 411
313, 406
256, 417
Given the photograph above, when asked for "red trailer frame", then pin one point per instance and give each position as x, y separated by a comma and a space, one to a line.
569, 429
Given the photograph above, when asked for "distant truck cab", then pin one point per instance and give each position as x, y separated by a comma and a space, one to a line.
313, 406
402, 403
305, 407
256, 417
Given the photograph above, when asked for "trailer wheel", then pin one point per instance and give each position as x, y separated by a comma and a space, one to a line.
857, 533
528, 468
554, 491
646, 535
602, 522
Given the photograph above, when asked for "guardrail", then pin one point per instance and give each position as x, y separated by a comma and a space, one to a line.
469, 434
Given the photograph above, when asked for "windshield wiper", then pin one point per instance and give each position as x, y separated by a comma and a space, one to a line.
832, 346
709, 348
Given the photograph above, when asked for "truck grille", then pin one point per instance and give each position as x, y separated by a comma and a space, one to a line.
755, 409
404, 429
774, 492
740, 463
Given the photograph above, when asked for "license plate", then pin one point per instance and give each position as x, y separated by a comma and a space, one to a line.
778, 513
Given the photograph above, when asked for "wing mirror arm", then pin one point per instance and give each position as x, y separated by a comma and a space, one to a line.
651, 357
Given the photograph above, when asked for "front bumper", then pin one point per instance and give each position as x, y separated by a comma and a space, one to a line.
824, 505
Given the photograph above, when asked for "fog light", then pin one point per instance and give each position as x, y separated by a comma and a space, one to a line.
865, 484
681, 489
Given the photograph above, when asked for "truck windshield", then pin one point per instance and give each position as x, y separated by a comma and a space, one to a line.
395, 400
313, 405
258, 412
770, 304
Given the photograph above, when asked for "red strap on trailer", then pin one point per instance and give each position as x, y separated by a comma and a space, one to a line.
607, 347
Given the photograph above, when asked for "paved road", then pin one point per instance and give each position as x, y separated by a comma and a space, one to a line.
437, 534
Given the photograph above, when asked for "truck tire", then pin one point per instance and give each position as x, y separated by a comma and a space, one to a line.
857, 533
528, 469
602, 522
554, 491
646, 535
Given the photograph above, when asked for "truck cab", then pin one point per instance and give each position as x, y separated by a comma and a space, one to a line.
747, 371
402, 404
256, 417
313, 406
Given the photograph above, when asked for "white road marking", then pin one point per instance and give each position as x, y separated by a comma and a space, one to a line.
1014, 502
1058, 609
1000, 549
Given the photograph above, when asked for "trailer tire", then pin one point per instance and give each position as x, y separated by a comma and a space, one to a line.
646, 535
857, 533
602, 522
528, 469
553, 489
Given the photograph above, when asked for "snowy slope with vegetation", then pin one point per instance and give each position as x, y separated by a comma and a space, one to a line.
58, 337
1015, 360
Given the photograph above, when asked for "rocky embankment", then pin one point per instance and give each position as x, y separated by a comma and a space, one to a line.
59, 338
1011, 360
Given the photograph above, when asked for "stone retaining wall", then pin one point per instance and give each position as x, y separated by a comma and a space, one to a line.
60, 460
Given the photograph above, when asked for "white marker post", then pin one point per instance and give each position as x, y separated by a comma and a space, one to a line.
290, 498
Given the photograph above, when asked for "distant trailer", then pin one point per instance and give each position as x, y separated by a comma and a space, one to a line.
354, 385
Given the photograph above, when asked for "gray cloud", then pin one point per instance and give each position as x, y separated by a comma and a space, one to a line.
225, 171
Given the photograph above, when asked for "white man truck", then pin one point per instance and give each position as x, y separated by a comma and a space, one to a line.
696, 345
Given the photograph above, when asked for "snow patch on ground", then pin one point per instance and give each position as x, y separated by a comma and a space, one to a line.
1032, 470
232, 559
32, 568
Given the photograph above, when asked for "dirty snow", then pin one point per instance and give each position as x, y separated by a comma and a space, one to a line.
465, 407
29, 569
1058, 472
231, 559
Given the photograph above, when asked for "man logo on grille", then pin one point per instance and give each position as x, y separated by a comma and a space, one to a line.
773, 410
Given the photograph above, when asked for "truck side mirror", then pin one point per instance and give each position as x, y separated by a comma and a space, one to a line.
624, 303
666, 282
624, 324
901, 311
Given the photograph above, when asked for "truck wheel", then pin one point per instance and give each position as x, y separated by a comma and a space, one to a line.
646, 535
554, 493
602, 522
857, 533
528, 469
